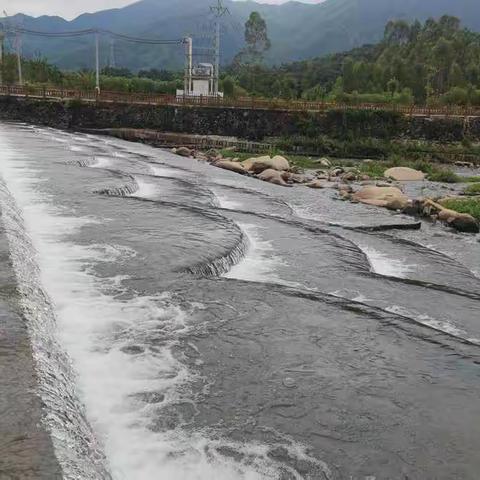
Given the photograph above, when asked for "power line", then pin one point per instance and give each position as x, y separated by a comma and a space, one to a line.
93, 31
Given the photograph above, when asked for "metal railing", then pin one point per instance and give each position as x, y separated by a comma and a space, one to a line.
240, 103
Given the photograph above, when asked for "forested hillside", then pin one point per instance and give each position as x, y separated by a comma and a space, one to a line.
437, 62
434, 61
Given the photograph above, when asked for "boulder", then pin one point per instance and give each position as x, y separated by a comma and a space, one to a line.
349, 177
278, 163
337, 171
384, 184
463, 222
404, 174
248, 164
184, 151
465, 164
387, 197
201, 156
317, 184
272, 176
324, 162
212, 153
232, 166
343, 187
290, 177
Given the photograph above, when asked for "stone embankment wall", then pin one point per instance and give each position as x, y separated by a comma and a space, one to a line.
243, 123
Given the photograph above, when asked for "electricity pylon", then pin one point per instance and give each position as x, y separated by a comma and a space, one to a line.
219, 11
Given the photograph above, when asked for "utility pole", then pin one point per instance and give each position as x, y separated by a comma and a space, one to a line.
97, 64
18, 45
218, 10
187, 88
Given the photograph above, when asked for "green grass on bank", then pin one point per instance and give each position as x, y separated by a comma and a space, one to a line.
473, 189
467, 205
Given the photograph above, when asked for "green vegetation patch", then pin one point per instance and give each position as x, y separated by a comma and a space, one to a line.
472, 179
467, 205
473, 189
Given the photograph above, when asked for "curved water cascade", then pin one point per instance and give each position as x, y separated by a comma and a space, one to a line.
197, 327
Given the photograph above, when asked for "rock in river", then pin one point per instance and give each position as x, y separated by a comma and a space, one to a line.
404, 174
258, 165
272, 176
387, 197
232, 166
184, 151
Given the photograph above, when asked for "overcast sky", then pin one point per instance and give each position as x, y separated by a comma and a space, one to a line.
70, 9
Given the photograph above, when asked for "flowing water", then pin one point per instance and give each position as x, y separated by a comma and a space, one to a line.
164, 319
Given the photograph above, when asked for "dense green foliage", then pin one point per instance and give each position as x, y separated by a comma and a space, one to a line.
38, 71
434, 62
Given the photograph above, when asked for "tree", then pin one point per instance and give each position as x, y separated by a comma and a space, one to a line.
456, 77
256, 40
228, 86
393, 86
256, 36
349, 82
397, 32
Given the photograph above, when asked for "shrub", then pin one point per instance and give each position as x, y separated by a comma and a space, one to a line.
444, 175
456, 96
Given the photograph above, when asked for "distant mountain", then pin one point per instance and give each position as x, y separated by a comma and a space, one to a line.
297, 30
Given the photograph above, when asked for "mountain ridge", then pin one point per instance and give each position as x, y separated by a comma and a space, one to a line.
297, 30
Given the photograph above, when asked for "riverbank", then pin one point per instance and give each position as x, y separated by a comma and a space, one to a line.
243, 123
381, 184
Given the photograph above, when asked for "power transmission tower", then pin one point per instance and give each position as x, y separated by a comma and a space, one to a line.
219, 11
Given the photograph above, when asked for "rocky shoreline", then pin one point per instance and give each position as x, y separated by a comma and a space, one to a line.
352, 185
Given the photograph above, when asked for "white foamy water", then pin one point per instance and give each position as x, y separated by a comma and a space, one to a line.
440, 325
146, 189
260, 263
385, 265
102, 162
76, 148
162, 171
224, 202
99, 332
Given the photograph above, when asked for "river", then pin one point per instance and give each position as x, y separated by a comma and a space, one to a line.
165, 319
